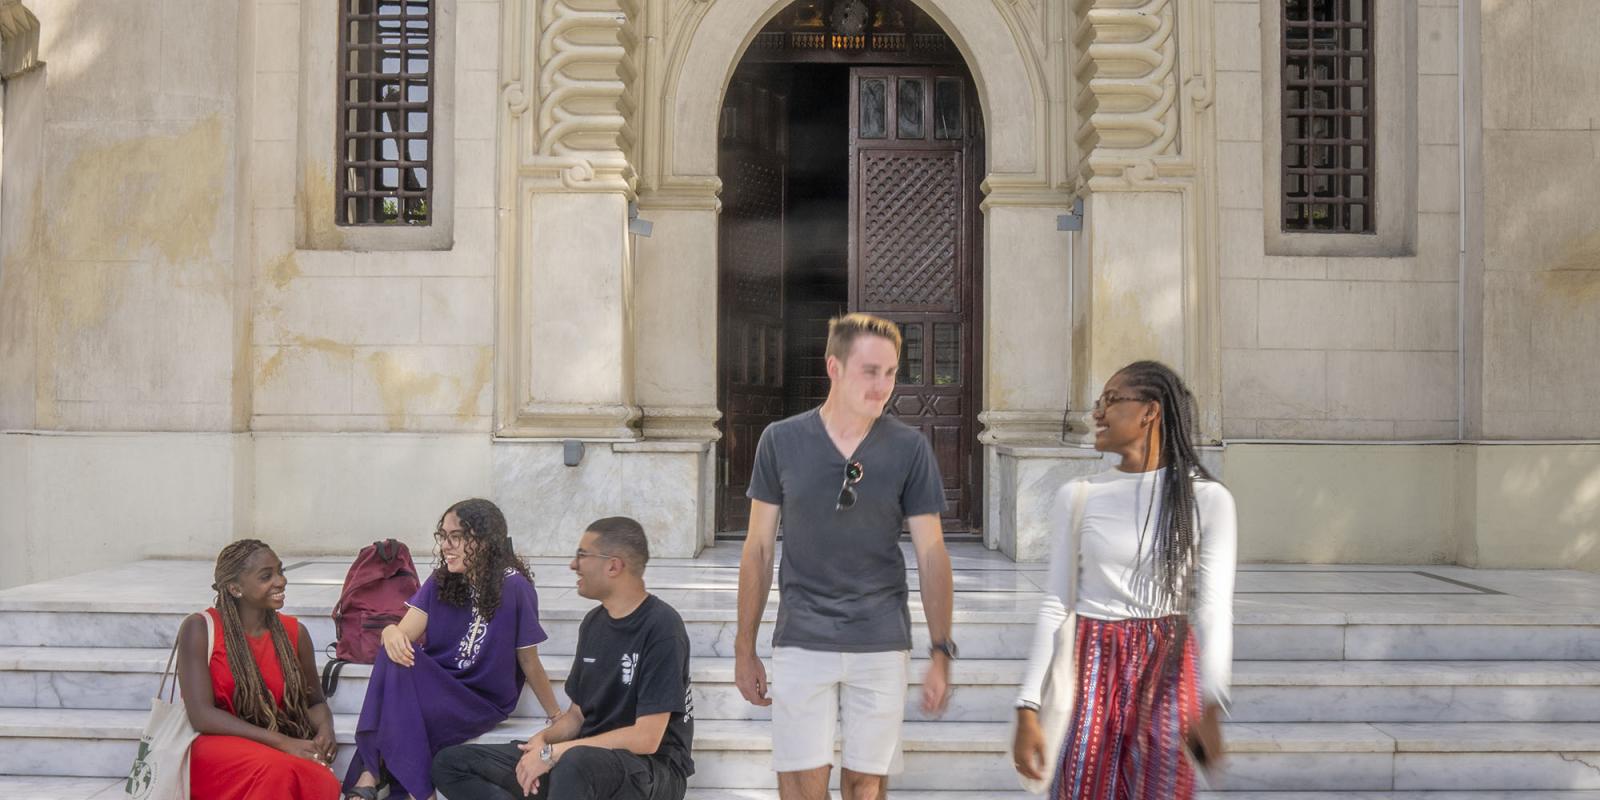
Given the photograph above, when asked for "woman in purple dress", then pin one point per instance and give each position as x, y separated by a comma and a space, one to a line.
453, 668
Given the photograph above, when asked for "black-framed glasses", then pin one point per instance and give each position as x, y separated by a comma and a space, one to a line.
847, 492
456, 538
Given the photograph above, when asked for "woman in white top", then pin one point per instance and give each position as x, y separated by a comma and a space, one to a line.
1149, 572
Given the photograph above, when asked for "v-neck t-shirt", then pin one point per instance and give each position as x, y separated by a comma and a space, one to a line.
842, 577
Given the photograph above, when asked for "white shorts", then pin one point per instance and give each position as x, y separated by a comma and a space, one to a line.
812, 689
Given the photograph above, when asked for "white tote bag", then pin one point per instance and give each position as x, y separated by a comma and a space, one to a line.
161, 770
1060, 689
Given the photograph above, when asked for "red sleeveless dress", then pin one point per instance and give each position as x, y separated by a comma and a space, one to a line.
235, 768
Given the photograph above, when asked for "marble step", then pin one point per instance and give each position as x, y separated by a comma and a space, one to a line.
971, 756
1264, 691
33, 787
1311, 635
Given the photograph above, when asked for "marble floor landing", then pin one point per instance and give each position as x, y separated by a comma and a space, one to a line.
989, 588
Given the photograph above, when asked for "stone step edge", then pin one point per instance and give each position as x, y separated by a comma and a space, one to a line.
1552, 617
714, 670
970, 737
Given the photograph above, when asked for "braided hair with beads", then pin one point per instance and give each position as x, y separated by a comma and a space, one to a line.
489, 556
251, 697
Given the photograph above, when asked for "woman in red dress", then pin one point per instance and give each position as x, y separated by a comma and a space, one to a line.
265, 729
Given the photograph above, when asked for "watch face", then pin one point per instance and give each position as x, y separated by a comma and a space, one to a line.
850, 17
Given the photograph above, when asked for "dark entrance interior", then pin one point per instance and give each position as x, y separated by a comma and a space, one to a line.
850, 155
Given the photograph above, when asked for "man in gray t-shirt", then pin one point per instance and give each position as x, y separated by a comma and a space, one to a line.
844, 478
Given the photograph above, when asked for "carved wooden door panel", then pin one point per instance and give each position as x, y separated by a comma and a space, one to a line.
750, 248
913, 138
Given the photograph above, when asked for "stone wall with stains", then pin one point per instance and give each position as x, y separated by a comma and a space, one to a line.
1540, 75
369, 330
117, 277
1341, 345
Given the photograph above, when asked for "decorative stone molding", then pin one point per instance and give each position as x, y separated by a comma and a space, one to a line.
19, 40
569, 92
684, 423
1031, 427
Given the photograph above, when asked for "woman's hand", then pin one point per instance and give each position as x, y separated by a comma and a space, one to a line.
327, 747
1204, 738
1027, 749
398, 646
303, 748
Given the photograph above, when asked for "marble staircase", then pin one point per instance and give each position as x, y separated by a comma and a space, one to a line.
1349, 681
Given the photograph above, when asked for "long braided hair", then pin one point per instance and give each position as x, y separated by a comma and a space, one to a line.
250, 695
488, 555
1170, 552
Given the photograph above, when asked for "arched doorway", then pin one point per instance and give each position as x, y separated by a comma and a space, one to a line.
851, 151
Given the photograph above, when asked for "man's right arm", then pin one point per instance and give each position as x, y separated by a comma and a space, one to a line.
755, 581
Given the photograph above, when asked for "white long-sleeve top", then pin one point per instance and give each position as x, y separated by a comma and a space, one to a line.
1114, 585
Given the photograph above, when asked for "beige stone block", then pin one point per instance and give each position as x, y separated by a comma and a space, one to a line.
198, 78
346, 311
1538, 506
273, 235
1438, 248
1322, 315
367, 423
475, 168
1274, 384
272, 174
1327, 429
1239, 428
1438, 178
123, 49
1438, 109
1243, 248
141, 335
1238, 31
1421, 430
1540, 424
1507, 343
479, 24
458, 311
1371, 268
399, 383
1436, 41
1239, 174
1137, 265
301, 380
1298, 503
1539, 65
335, 493
1392, 385
277, 107
1425, 316
1238, 107
277, 38
1532, 180
477, 104
1239, 313
1565, 341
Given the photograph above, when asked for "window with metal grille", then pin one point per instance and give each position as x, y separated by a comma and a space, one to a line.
1328, 142
385, 112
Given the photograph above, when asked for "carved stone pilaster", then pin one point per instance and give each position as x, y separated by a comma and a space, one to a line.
570, 91
19, 40
1126, 69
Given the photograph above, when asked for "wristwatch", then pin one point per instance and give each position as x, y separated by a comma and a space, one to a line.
547, 754
948, 647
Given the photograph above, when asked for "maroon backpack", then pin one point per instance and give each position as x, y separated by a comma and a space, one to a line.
376, 589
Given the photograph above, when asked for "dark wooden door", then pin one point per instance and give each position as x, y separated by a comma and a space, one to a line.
912, 250
750, 385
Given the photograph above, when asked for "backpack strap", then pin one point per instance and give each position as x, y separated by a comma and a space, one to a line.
330, 675
386, 550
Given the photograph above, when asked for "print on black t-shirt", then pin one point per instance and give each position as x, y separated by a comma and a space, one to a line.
634, 667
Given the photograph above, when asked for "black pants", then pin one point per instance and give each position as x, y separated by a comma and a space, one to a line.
489, 772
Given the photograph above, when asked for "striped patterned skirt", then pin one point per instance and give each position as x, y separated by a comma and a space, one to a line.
1126, 737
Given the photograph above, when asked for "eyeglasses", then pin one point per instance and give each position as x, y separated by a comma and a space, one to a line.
450, 539
1108, 400
847, 492
582, 554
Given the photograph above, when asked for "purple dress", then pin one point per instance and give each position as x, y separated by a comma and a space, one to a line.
466, 680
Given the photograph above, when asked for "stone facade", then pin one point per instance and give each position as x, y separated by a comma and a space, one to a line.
191, 350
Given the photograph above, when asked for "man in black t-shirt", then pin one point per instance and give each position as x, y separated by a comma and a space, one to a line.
628, 731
